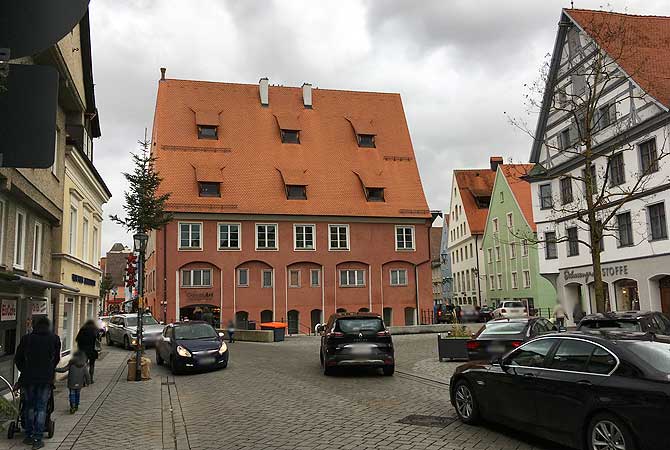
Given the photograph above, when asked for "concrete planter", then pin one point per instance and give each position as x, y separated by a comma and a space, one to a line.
452, 348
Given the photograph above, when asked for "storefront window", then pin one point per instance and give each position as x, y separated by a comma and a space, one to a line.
89, 309
66, 331
627, 295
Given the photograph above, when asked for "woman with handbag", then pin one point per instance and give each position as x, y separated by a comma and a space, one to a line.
88, 342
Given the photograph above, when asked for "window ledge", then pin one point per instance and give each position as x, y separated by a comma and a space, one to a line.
267, 249
352, 287
242, 285
197, 287
229, 249
190, 249
304, 249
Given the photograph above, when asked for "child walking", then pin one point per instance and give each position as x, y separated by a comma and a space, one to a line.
78, 377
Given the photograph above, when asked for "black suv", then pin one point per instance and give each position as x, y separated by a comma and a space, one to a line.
356, 339
646, 322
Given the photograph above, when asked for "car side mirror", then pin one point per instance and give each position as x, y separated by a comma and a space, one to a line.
167, 339
221, 334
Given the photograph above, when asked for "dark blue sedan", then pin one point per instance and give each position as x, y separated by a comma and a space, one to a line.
191, 345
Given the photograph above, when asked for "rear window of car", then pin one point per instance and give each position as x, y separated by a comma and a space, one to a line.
512, 305
359, 325
656, 354
503, 328
614, 324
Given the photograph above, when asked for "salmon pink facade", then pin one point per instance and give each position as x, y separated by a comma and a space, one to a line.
286, 211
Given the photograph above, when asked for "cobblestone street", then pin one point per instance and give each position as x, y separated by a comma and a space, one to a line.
273, 396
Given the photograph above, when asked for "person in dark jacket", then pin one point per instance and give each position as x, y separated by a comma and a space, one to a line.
87, 342
78, 377
36, 358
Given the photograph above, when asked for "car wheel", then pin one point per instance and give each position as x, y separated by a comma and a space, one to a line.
607, 431
126, 342
466, 403
159, 360
388, 370
108, 339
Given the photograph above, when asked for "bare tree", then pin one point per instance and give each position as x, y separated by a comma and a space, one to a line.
587, 93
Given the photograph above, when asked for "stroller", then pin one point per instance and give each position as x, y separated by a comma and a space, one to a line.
19, 423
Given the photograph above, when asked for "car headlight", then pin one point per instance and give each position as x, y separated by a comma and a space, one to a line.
223, 349
181, 351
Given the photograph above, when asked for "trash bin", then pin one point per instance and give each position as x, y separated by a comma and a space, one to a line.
279, 329
251, 325
145, 368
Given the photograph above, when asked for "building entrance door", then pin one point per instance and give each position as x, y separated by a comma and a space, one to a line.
293, 321
664, 285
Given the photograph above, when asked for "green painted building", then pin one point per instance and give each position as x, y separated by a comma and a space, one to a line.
511, 257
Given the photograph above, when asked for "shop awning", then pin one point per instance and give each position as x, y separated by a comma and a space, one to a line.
20, 279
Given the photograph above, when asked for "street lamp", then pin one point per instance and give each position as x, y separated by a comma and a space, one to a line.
140, 245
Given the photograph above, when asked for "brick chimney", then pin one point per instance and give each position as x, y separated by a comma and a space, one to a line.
307, 95
263, 90
495, 162
163, 69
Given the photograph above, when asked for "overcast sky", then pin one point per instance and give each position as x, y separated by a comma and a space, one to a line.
458, 64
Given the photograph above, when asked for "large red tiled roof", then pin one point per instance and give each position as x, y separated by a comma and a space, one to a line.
639, 45
475, 183
251, 157
520, 188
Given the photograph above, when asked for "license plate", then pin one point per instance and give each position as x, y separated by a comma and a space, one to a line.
360, 350
496, 348
208, 360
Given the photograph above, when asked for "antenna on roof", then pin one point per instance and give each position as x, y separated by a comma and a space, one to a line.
572, 4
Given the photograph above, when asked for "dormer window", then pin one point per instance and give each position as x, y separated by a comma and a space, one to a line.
296, 192
290, 136
207, 132
374, 194
366, 140
209, 189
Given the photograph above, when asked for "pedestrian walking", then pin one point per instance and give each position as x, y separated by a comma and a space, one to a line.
559, 315
78, 377
231, 331
459, 312
89, 343
36, 358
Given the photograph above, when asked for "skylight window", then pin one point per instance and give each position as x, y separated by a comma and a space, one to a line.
375, 194
366, 140
207, 132
209, 189
296, 192
290, 136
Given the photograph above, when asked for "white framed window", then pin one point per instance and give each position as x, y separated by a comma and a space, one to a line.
515, 280
512, 250
20, 239
398, 277
74, 223
294, 278
243, 277
526, 278
96, 244
230, 236
404, 237
266, 236
500, 281
84, 240
338, 237
304, 237
190, 235
489, 255
492, 282
196, 278
352, 278
496, 227
497, 252
37, 248
315, 278
524, 247
510, 220
266, 278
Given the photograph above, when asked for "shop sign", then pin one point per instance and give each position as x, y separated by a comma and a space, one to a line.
609, 271
79, 279
200, 295
38, 307
8, 310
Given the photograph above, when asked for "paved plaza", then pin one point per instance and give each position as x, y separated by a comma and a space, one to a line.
274, 396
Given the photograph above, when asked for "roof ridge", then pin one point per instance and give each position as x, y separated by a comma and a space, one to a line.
615, 13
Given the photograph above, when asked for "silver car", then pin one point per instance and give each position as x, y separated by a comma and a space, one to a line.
122, 329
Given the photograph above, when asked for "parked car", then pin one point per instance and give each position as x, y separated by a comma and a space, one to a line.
356, 339
191, 345
510, 308
502, 335
122, 329
586, 390
485, 313
469, 314
649, 321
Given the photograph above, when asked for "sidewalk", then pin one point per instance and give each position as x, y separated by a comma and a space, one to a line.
113, 413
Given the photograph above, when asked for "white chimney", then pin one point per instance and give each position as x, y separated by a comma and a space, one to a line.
307, 95
263, 85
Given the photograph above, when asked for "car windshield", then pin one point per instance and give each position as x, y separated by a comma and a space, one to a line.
656, 354
627, 325
503, 328
146, 320
512, 305
195, 331
358, 325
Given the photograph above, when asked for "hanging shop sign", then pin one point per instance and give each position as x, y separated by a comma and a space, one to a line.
8, 310
38, 307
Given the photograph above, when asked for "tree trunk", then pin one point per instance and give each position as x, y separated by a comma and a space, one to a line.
595, 231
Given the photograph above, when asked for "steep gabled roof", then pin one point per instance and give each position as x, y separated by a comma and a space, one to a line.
253, 158
474, 183
514, 174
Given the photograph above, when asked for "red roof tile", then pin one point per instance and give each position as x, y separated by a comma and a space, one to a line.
362, 126
639, 44
204, 117
208, 174
249, 149
520, 188
474, 183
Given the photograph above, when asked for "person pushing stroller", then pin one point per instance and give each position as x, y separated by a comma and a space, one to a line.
78, 377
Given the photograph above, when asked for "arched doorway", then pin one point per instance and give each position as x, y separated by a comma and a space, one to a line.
293, 321
388, 316
209, 313
664, 286
242, 320
341, 310
363, 310
409, 316
627, 295
314, 318
266, 316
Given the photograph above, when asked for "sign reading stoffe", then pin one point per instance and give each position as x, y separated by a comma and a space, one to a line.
8, 310
586, 275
